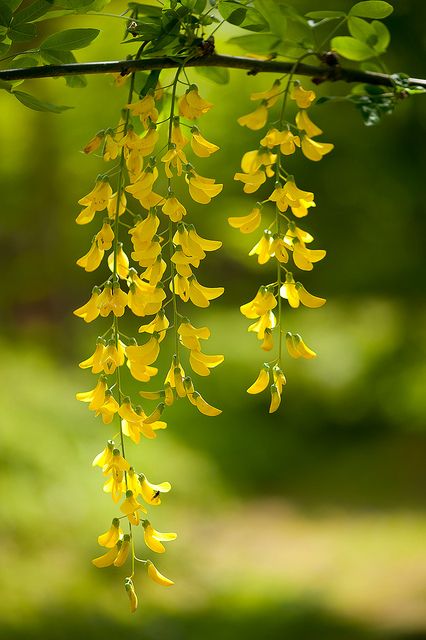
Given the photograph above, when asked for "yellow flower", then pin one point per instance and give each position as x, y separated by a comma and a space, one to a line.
191, 105
90, 310
272, 139
291, 196
174, 157
148, 141
108, 408
200, 295
271, 96
110, 538
95, 397
144, 230
304, 258
92, 259
174, 209
134, 164
200, 146
131, 508
302, 97
263, 302
143, 187
130, 590
295, 293
96, 360
158, 325
315, 150
279, 378
297, 348
175, 377
111, 146
263, 325
252, 181
105, 456
304, 123
177, 135
107, 559
202, 363
261, 382
268, 343
275, 399
94, 143
105, 236
122, 262
289, 142
154, 273
158, 577
202, 189
145, 109
112, 205
151, 492
278, 249
146, 353
123, 552
112, 299
294, 231
248, 223
263, 248
253, 160
256, 119
113, 356
203, 406
190, 336
96, 200
154, 538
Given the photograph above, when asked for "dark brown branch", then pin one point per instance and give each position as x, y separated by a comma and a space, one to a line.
322, 73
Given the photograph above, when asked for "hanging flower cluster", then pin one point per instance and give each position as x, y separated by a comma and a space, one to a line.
283, 238
156, 271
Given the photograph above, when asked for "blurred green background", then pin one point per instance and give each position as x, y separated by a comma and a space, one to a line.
308, 524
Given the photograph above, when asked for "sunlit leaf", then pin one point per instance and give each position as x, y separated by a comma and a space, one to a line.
351, 48
70, 39
372, 9
38, 105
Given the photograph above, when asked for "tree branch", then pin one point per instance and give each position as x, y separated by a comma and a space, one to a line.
322, 73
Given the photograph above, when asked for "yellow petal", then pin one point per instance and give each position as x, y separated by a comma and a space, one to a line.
260, 383
158, 577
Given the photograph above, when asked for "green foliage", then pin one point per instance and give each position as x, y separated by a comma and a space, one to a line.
69, 40
372, 9
36, 104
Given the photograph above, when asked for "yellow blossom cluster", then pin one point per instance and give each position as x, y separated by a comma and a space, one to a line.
283, 240
152, 253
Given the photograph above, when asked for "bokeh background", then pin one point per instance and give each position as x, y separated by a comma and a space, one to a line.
308, 524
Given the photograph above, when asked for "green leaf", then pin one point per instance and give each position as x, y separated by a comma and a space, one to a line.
22, 32
150, 82
320, 15
351, 48
361, 30
76, 82
383, 36
6, 86
219, 75
195, 6
23, 62
57, 57
5, 14
237, 13
262, 43
371, 9
271, 11
70, 39
32, 11
38, 105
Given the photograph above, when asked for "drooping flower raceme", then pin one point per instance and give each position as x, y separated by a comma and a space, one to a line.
283, 240
145, 237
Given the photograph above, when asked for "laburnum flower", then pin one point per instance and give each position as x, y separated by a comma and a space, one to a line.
111, 146
177, 136
263, 302
134, 164
144, 230
112, 205
105, 456
192, 105
279, 378
108, 408
153, 538
304, 123
123, 552
112, 299
204, 407
110, 538
271, 95
96, 360
142, 188
107, 559
159, 325
95, 397
263, 248
148, 141
294, 231
304, 257
314, 150
173, 208
202, 363
90, 310
151, 492
261, 382
202, 189
96, 200
156, 576
256, 119
156, 414
154, 272
302, 97
267, 342
278, 248
253, 160
131, 508
174, 157
93, 258
248, 223
262, 327
183, 261
121, 261
94, 143
295, 293
288, 143
105, 236
140, 357
251, 181
131, 140
275, 398
201, 295
113, 356
297, 348
145, 109
143, 298
175, 376
131, 593
115, 469
200, 146
147, 254
291, 196
190, 336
